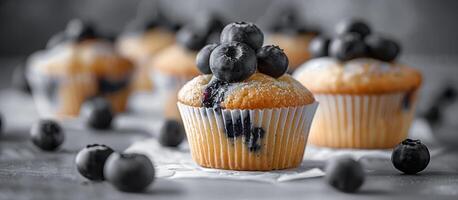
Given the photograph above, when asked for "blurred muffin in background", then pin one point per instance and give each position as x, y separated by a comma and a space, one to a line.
78, 64
286, 31
176, 64
142, 39
367, 98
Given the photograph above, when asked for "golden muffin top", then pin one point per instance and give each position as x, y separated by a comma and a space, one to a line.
295, 46
140, 46
175, 60
241, 73
257, 92
92, 56
356, 76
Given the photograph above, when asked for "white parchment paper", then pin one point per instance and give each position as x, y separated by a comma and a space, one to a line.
177, 163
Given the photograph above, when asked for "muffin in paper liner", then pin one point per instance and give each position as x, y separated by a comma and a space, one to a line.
62, 97
243, 139
364, 102
363, 121
64, 76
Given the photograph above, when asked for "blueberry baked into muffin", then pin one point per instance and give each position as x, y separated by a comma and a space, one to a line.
78, 65
175, 65
367, 98
244, 112
285, 30
141, 40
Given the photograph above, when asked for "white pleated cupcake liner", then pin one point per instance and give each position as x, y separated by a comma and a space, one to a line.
217, 142
362, 121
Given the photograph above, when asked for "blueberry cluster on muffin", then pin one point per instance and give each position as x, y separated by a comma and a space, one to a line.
77, 65
355, 39
245, 112
367, 97
287, 31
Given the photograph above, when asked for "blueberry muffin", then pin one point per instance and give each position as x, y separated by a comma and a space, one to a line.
245, 113
176, 64
141, 40
367, 98
286, 31
77, 65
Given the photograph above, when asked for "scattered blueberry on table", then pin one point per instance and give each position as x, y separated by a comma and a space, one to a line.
47, 134
97, 113
129, 172
172, 133
91, 160
410, 156
345, 174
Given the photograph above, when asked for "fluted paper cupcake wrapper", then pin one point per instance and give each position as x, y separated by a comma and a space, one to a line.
259, 139
362, 121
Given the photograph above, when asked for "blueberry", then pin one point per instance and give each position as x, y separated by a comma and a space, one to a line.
233, 62
272, 61
347, 47
91, 160
80, 30
214, 93
97, 113
47, 135
243, 32
319, 46
191, 38
345, 174
410, 156
19, 79
353, 26
172, 133
129, 172
203, 58
382, 48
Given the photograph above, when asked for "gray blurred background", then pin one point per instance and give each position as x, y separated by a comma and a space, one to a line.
427, 30
422, 26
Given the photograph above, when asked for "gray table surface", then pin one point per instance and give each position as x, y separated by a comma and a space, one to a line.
28, 173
